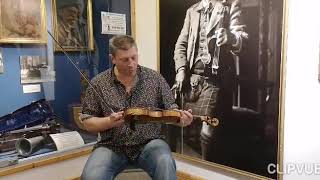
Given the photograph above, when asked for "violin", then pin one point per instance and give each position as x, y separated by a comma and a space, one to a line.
147, 115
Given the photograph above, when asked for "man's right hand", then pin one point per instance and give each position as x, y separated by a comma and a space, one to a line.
180, 77
116, 119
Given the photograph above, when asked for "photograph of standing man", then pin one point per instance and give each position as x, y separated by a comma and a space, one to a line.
204, 56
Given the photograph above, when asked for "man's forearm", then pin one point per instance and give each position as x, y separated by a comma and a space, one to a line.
97, 124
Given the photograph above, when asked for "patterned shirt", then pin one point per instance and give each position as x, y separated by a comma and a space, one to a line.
150, 90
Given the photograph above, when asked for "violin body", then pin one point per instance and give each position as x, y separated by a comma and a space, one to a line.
145, 115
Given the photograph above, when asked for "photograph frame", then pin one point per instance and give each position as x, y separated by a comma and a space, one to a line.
280, 107
27, 25
35, 69
87, 25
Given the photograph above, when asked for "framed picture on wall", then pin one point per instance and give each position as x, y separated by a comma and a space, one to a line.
23, 21
73, 25
241, 88
35, 69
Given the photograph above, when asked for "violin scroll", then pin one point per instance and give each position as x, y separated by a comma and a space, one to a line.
210, 120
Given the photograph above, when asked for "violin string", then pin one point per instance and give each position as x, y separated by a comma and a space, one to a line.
83, 76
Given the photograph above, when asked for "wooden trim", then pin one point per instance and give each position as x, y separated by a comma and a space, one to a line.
158, 33
133, 18
186, 176
282, 87
45, 161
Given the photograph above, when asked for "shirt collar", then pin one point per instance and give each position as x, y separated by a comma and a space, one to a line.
205, 4
114, 77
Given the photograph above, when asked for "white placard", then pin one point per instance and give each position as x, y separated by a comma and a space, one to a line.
113, 23
67, 140
31, 88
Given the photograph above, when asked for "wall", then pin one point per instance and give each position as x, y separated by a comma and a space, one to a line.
65, 91
11, 92
302, 94
146, 32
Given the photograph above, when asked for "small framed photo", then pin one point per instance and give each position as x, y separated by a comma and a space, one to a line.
35, 69
72, 20
23, 21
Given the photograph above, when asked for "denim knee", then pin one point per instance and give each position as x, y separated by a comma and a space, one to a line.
164, 161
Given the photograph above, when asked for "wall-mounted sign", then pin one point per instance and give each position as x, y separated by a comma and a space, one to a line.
31, 88
113, 23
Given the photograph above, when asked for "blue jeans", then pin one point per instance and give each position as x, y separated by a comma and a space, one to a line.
155, 159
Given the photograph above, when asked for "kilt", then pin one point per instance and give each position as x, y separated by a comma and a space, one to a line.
207, 97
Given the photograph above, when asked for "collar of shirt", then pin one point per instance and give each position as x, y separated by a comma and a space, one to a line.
114, 77
206, 5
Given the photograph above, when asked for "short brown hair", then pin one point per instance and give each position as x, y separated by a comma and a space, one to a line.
122, 42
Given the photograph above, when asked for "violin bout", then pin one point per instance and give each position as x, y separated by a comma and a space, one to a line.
144, 115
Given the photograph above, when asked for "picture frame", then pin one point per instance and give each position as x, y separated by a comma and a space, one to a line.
23, 21
35, 69
258, 90
75, 34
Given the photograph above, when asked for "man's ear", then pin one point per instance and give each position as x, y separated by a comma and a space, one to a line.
112, 58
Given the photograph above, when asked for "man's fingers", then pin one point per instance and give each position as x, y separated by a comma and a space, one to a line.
116, 116
221, 36
186, 117
188, 114
180, 86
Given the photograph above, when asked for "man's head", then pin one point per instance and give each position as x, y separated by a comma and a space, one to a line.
124, 54
69, 11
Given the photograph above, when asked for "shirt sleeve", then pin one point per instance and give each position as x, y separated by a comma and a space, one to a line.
91, 105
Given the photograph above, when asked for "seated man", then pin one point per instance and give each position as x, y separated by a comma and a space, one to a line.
126, 85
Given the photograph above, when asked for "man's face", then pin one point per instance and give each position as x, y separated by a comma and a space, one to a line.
70, 15
126, 61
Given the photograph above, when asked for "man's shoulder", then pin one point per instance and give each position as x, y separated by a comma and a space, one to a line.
194, 6
147, 70
149, 73
102, 76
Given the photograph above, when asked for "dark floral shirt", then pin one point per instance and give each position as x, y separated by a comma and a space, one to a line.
150, 90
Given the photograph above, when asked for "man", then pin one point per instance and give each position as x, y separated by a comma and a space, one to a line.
127, 85
71, 31
204, 61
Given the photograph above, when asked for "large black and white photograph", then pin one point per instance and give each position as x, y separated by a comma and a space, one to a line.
222, 59
35, 69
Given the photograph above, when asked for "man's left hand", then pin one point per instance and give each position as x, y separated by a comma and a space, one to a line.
224, 36
186, 117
